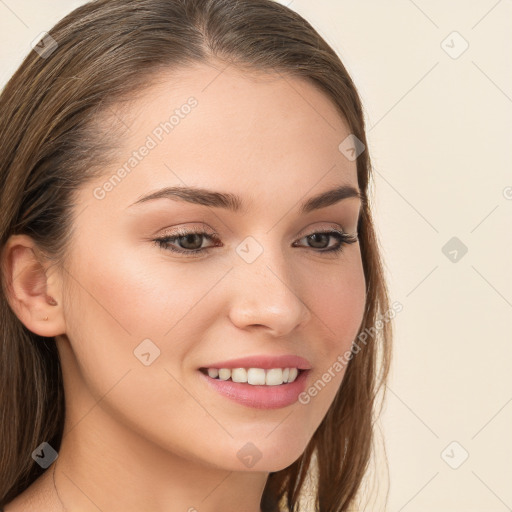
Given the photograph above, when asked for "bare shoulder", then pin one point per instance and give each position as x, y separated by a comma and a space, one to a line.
38, 496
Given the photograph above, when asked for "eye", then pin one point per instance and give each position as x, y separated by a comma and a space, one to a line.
318, 239
190, 242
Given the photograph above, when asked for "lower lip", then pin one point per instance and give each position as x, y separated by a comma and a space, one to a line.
260, 397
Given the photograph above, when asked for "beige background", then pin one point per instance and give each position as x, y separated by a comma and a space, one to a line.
439, 133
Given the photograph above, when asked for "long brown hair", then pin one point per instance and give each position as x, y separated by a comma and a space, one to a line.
53, 142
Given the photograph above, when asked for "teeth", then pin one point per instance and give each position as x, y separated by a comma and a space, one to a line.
224, 374
239, 375
213, 373
255, 376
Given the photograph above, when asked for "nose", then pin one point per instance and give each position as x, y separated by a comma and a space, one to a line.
267, 295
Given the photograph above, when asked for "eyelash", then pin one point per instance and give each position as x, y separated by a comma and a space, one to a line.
164, 242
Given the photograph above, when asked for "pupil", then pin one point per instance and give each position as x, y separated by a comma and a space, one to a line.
314, 238
187, 240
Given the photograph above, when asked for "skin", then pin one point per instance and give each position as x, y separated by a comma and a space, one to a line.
156, 437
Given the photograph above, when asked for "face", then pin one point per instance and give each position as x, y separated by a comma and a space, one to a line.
143, 317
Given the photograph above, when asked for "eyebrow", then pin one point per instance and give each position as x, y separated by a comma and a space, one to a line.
234, 203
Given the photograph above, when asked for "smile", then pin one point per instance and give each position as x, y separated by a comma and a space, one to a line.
253, 390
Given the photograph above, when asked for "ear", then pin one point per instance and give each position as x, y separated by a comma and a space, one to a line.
33, 288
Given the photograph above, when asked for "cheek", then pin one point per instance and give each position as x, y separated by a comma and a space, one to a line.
119, 302
137, 297
338, 303
116, 304
337, 299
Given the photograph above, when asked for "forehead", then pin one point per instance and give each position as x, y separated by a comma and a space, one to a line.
219, 127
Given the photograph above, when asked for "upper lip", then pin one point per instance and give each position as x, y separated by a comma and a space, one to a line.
264, 361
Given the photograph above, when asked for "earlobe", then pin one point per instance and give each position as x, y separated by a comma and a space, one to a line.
30, 293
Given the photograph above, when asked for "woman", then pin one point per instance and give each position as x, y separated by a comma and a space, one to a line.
189, 266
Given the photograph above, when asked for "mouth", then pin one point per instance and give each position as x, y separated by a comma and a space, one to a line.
248, 386
254, 376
